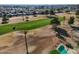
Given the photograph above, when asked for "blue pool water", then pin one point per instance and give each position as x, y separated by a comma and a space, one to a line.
62, 50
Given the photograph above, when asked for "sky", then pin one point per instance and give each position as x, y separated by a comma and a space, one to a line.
39, 1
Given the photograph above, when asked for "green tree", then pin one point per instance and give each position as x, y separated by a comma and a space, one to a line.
63, 19
55, 22
54, 52
69, 45
46, 12
59, 10
77, 13
67, 11
34, 13
4, 18
27, 18
71, 20
52, 12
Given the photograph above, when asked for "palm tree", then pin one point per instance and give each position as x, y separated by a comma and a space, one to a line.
26, 44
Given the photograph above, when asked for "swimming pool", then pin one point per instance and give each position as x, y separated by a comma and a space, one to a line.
62, 49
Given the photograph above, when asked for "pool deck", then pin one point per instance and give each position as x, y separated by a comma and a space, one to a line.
65, 48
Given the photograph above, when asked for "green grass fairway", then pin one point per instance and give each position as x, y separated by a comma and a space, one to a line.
24, 25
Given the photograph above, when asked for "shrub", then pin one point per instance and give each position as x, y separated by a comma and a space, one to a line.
55, 21
71, 20
69, 45
52, 12
77, 13
54, 52
5, 18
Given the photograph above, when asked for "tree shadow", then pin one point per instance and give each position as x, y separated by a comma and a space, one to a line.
75, 28
61, 33
60, 37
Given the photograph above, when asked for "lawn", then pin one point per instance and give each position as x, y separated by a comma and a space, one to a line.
54, 52
24, 25
61, 18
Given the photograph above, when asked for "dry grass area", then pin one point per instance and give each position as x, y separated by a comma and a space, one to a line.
20, 18
41, 40
12, 43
